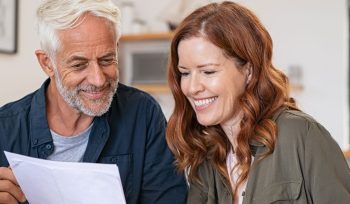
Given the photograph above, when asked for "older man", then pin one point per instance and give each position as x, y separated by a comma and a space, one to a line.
82, 114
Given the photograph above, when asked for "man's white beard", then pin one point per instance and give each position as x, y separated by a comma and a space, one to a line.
73, 99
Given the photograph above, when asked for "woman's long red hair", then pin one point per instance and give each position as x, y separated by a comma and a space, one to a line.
241, 36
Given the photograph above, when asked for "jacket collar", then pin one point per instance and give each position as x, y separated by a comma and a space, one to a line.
40, 131
97, 140
255, 145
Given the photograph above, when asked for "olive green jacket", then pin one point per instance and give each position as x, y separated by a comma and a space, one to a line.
307, 166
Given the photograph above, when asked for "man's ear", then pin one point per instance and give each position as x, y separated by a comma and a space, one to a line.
45, 62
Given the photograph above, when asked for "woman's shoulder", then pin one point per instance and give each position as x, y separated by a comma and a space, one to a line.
295, 121
298, 128
293, 117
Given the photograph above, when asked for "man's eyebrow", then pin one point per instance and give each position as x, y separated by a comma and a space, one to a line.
80, 58
76, 58
109, 54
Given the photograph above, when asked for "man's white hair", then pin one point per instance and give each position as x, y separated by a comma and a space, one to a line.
54, 15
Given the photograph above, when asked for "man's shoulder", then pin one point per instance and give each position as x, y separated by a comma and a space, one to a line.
132, 103
16, 108
131, 95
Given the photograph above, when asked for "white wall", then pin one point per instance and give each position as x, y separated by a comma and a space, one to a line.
20, 74
312, 34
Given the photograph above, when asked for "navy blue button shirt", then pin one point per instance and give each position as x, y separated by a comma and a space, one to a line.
131, 134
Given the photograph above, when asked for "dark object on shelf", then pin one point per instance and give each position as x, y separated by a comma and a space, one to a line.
171, 26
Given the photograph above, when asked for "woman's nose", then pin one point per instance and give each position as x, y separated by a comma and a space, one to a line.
195, 85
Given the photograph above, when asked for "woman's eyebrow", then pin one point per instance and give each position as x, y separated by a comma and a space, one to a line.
207, 64
200, 66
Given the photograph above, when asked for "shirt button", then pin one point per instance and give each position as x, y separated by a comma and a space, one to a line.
35, 141
113, 159
48, 146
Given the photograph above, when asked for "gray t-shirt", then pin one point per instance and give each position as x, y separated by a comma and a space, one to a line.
70, 149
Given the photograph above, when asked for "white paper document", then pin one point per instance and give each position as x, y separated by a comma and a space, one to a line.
52, 182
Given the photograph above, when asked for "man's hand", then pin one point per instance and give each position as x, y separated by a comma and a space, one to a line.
10, 192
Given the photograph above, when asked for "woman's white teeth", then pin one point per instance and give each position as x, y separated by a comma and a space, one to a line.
204, 102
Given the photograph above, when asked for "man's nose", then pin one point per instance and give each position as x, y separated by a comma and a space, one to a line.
96, 76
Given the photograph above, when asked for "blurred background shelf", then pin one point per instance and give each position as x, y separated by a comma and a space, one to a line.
153, 88
296, 87
147, 36
347, 154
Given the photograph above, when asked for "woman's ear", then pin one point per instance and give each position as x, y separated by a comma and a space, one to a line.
249, 72
45, 62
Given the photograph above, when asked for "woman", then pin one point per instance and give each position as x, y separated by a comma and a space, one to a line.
235, 131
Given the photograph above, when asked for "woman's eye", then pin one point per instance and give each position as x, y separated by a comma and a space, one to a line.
183, 74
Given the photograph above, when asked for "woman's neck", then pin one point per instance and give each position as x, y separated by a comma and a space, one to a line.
232, 128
